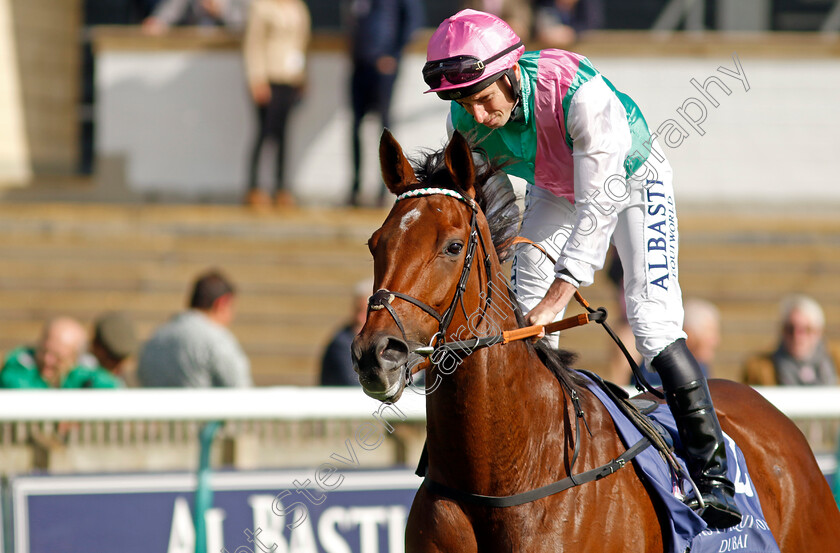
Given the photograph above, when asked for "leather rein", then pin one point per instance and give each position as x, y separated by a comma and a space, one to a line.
382, 299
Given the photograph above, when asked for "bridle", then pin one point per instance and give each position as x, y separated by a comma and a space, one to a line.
382, 298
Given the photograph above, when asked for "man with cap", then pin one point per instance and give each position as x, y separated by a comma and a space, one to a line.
114, 341
596, 174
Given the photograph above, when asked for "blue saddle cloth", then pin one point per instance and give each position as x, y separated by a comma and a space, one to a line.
686, 531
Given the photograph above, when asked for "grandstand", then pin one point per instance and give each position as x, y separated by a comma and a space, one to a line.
296, 269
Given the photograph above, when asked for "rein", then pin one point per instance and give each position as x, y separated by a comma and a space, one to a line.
595, 315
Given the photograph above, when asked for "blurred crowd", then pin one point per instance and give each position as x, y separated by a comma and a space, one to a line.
196, 347
193, 349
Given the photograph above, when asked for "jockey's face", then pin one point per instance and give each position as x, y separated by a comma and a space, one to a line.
492, 106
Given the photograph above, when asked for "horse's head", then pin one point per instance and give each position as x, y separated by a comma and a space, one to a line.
423, 255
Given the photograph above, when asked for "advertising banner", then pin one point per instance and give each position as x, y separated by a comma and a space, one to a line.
303, 511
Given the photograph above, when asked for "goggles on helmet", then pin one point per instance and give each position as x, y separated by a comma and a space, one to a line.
460, 69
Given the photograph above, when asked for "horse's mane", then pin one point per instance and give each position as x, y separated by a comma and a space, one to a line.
497, 201
495, 198
558, 361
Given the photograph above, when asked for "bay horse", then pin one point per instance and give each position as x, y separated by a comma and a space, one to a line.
503, 419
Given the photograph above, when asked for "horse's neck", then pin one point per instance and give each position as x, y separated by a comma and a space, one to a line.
494, 415
503, 378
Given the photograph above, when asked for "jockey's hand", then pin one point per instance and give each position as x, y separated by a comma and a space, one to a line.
555, 300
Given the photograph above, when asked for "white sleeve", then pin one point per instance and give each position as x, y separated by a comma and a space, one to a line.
230, 367
597, 124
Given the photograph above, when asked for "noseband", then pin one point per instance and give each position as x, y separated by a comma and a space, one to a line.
382, 298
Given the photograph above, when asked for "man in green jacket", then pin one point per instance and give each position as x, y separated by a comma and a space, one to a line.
58, 360
45, 365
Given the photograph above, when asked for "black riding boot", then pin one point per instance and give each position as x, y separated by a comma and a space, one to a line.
691, 404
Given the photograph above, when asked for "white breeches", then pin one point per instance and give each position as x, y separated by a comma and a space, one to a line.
646, 237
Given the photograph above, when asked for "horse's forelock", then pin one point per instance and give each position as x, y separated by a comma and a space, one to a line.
496, 200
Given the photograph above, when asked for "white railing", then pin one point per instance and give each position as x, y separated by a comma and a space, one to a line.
290, 403
274, 403
140, 420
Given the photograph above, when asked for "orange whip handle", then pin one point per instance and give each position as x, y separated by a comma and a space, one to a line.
530, 331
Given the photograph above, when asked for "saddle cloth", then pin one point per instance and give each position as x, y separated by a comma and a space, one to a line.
686, 531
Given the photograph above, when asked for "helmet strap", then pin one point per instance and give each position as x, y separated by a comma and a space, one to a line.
518, 112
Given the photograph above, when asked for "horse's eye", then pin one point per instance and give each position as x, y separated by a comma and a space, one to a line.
454, 248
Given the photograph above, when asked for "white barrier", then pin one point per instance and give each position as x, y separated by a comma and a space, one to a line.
274, 403
291, 404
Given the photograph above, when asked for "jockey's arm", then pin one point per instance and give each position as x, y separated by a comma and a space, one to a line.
597, 124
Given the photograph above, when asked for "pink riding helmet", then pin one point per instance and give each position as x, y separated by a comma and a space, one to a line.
472, 48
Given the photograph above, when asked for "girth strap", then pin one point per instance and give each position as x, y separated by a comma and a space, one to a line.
539, 493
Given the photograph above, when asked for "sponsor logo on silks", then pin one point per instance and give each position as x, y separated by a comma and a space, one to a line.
734, 543
661, 235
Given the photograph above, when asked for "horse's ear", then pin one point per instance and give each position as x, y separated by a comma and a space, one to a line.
397, 172
459, 163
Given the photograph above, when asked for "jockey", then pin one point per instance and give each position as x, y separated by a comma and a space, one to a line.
596, 174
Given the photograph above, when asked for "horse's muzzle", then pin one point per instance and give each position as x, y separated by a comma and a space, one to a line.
381, 364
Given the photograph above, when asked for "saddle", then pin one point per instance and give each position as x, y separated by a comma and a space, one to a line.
682, 527
637, 410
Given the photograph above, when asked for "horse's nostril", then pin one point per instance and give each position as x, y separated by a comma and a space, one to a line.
391, 351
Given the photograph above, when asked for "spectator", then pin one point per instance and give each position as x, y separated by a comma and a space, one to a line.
702, 327
114, 342
379, 31
517, 13
168, 13
801, 357
274, 48
195, 349
559, 23
336, 363
45, 365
